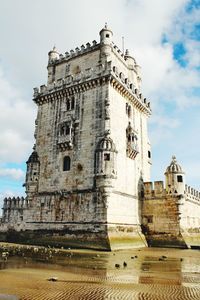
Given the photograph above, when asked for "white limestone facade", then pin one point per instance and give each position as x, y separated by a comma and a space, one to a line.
88, 177
91, 149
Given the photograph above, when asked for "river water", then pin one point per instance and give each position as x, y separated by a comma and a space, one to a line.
142, 274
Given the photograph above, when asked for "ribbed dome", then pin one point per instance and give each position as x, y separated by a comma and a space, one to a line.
174, 167
106, 144
33, 158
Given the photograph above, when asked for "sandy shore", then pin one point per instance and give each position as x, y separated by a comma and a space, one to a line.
143, 274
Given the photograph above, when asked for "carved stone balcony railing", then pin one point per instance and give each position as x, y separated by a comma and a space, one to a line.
64, 142
132, 150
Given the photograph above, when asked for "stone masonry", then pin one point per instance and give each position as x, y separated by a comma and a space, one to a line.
87, 181
171, 215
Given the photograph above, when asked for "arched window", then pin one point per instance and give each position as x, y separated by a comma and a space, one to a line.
72, 103
62, 130
66, 163
67, 131
129, 111
68, 104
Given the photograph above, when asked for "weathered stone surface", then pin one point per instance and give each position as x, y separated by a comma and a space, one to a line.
171, 214
84, 179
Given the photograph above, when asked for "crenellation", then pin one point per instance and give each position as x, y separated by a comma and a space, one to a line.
192, 194
84, 49
13, 209
148, 188
88, 46
67, 54
89, 172
159, 188
94, 43
154, 189
70, 81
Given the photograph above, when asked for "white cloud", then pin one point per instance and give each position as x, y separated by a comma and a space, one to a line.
12, 173
143, 23
16, 123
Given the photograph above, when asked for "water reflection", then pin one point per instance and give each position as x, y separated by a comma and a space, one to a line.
139, 274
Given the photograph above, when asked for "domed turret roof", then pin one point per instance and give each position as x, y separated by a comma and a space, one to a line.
127, 55
53, 54
106, 144
174, 167
105, 28
54, 50
33, 158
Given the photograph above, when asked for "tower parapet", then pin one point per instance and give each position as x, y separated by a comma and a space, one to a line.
13, 209
154, 189
191, 194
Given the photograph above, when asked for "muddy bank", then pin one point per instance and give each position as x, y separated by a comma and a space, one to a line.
147, 273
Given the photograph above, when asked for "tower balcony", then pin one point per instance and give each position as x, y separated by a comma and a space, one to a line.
64, 142
132, 150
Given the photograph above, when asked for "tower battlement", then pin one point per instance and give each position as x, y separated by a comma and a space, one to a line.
15, 203
154, 189
84, 179
192, 194
83, 49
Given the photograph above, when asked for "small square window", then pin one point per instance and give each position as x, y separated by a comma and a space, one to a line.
107, 156
150, 219
180, 178
107, 35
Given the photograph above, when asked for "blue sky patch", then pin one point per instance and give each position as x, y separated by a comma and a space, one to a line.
194, 4
195, 34
164, 39
179, 52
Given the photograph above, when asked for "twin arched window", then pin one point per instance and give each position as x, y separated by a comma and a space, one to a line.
66, 163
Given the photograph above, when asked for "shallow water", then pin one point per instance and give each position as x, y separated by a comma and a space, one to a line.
142, 274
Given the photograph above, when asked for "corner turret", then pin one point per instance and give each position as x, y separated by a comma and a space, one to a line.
53, 55
175, 178
106, 35
105, 163
32, 173
130, 60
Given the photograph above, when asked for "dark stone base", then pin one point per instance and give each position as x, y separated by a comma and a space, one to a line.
166, 241
58, 239
104, 237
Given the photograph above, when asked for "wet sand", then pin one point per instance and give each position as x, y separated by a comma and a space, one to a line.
143, 274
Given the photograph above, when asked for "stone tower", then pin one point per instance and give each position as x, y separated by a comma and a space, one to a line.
91, 149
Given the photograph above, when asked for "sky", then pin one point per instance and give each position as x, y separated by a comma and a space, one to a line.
164, 38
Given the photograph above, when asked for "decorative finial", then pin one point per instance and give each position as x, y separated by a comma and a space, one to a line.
106, 25
173, 158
